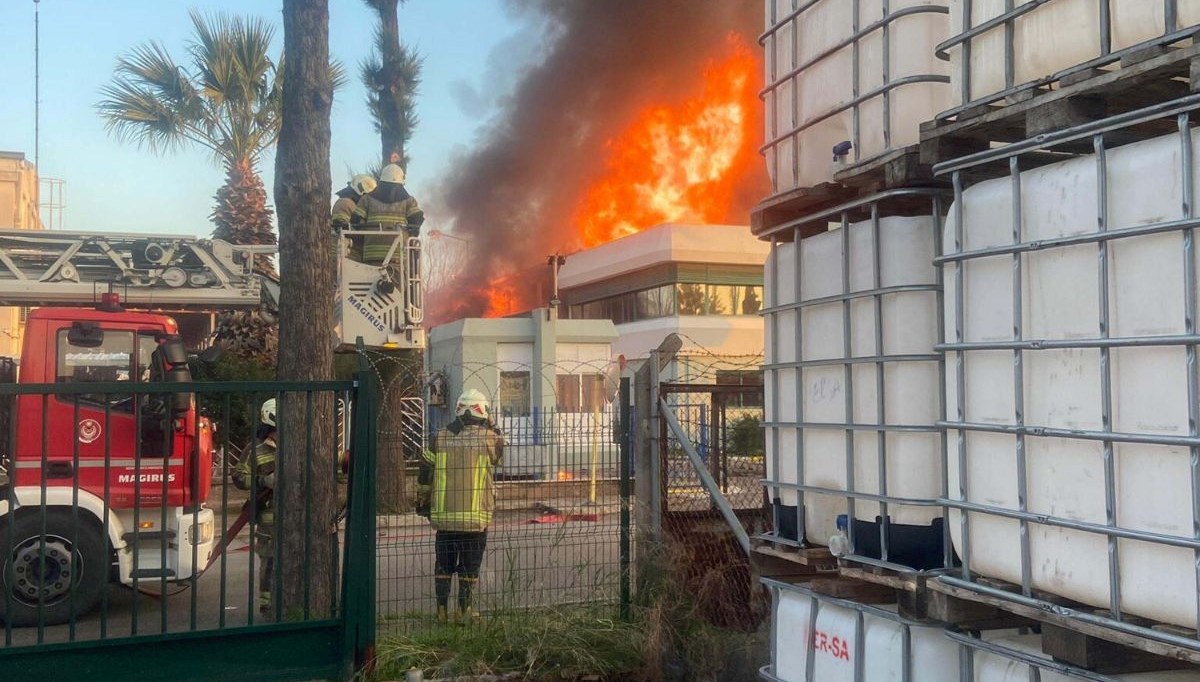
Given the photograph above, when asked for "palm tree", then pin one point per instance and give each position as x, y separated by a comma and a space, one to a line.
226, 100
392, 74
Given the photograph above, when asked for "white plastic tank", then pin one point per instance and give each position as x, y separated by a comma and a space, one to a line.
911, 391
1062, 389
991, 667
811, 111
1051, 37
838, 647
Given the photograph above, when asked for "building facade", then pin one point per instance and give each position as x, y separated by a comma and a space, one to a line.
18, 210
551, 383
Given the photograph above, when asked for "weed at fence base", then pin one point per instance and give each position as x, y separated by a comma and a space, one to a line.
540, 643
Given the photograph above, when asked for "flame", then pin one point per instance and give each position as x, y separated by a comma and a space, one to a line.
501, 296
682, 162
689, 161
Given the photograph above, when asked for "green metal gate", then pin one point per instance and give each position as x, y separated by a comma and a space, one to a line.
206, 626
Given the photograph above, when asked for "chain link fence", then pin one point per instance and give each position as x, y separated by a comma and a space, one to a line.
553, 536
717, 403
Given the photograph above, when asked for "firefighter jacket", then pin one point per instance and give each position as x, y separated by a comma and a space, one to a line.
456, 487
257, 474
343, 212
389, 207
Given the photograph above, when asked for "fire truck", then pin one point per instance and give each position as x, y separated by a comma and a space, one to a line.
108, 486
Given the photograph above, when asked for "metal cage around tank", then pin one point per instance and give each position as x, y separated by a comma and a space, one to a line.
1089, 143
873, 211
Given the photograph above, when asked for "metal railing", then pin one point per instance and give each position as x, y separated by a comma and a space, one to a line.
113, 537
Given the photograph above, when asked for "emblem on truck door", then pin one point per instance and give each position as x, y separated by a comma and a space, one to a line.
89, 430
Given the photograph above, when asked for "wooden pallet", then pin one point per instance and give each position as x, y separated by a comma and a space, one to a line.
1084, 644
815, 559
1152, 76
917, 602
899, 167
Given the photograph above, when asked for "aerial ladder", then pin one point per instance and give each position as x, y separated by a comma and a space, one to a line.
381, 303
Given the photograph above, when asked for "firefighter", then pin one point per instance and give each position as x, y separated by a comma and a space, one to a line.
343, 212
257, 474
455, 491
391, 208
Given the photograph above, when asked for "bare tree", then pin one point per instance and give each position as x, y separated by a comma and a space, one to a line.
302, 189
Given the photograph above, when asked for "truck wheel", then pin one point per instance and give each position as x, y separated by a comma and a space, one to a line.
74, 560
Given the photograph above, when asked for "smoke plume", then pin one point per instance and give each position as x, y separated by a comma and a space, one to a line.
513, 194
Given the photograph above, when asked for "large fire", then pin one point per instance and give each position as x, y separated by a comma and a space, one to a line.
681, 162
687, 161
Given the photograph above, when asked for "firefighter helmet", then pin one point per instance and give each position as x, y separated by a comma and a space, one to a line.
392, 173
362, 183
472, 402
267, 414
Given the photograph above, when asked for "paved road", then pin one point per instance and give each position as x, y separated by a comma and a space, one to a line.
526, 564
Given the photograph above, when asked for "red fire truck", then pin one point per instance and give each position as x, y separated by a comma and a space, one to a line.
111, 486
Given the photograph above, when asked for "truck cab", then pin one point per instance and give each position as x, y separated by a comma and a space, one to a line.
104, 484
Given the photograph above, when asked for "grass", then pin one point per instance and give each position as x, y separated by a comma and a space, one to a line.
542, 644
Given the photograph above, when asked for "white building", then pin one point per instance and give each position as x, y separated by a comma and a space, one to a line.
702, 282
551, 383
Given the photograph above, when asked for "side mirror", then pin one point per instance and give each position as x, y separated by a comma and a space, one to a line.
85, 335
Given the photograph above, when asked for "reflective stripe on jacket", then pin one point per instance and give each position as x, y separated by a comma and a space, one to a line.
251, 473
462, 493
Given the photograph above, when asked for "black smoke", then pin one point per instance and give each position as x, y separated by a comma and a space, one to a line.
512, 195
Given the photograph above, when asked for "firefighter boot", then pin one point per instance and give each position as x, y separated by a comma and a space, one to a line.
441, 589
466, 586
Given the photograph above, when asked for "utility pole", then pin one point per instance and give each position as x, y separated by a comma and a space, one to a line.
37, 84
555, 262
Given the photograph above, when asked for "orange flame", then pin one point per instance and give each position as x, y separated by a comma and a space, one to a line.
679, 163
693, 161
501, 298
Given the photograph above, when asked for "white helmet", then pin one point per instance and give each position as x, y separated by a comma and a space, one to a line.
362, 183
392, 173
472, 402
267, 414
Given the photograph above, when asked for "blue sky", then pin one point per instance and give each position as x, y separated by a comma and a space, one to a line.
473, 51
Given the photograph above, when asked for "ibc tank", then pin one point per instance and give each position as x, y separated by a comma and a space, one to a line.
999, 667
844, 638
833, 76
1051, 36
1075, 389
853, 384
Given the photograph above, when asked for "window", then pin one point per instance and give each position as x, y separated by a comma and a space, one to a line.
567, 392
690, 299
580, 392
673, 299
111, 361
593, 393
514, 394
742, 378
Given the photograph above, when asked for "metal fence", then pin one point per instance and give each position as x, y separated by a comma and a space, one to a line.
555, 534
120, 531
712, 462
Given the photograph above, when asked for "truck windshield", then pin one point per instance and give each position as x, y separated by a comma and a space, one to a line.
111, 361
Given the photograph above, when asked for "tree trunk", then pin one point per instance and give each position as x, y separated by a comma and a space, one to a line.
306, 508
391, 130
